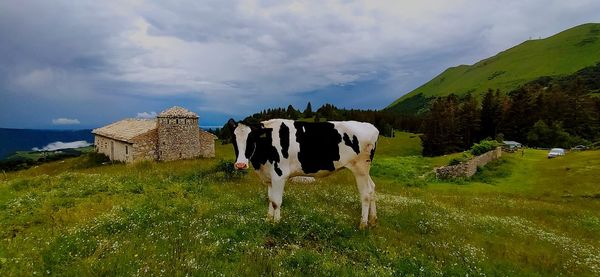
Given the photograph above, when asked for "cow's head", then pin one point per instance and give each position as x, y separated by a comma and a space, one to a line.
244, 142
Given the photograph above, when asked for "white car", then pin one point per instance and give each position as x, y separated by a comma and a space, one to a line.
555, 152
580, 148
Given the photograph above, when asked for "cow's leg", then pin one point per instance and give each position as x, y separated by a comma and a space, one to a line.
372, 206
364, 189
271, 209
276, 197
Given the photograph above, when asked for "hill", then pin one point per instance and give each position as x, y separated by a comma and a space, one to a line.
521, 216
560, 54
26, 159
12, 140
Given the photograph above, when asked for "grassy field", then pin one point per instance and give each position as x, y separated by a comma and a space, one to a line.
522, 215
561, 54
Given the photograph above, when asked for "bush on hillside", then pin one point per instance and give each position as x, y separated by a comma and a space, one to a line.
483, 146
549, 136
93, 159
16, 163
465, 157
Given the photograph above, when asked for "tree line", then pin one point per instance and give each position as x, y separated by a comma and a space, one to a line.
385, 121
547, 112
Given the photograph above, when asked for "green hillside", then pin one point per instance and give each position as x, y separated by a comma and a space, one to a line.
563, 53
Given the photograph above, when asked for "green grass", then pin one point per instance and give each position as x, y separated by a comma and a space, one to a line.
519, 216
561, 54
402, 144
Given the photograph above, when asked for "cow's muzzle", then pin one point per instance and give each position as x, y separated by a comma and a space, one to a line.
240, 166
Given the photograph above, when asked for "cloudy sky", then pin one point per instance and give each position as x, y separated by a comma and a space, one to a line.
81, 64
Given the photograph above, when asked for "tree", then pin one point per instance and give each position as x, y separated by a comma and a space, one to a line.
491, 114
540, 134
487, 117
469, 125
441, 133
308, 112
520, 115
579, 118
292, 113
551, 136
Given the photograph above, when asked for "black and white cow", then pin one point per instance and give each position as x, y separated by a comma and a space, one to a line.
279, 149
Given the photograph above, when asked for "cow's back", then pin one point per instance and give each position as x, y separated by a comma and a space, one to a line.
312, 148
366, 134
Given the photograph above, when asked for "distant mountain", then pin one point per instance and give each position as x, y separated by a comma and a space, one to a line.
12, 140
561, 54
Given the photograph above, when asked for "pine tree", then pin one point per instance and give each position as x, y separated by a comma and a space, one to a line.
292, 113
308, 113
520, 115
579, 119
491, 114
469, 121
441, 132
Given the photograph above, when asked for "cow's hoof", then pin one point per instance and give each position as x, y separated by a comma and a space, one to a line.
269, 218
373, 221
362, 226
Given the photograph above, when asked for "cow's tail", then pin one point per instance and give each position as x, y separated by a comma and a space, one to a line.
373, 145
372, 151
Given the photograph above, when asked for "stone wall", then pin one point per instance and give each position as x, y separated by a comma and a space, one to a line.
178, 138
116, 150
468, 168
207, 144
145, 146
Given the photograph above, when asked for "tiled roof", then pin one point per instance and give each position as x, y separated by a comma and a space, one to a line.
126, 129
178, 112
207, 134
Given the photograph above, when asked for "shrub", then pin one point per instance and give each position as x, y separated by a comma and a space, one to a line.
465, 157
455, 161
16, 163
93, 159
226, 167
483, 146
544, 135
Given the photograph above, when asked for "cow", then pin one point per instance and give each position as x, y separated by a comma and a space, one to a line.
279, 149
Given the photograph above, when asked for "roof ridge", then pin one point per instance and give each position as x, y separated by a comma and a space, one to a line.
177, 111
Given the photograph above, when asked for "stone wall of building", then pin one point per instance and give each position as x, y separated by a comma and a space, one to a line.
207, 144
145, 146
468, 168
116, 150
178, 138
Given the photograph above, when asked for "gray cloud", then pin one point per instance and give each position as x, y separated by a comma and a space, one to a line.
101, 60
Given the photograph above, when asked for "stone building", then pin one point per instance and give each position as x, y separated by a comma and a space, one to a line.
174, 134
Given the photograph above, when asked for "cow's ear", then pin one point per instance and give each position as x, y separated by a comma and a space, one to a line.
255, 127
232, 124
253, 123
